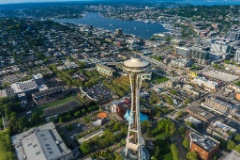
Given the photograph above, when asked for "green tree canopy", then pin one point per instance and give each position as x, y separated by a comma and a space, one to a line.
185, 143
85, 148
231, 145
6, 150
192, 155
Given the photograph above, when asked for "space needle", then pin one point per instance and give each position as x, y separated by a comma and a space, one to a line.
138, 70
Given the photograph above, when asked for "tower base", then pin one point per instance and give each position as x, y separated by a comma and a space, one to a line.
145, 155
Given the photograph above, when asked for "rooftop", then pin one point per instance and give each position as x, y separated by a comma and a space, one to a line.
226, 77
205, 142
48, 91
233, 155
201, 113
223, 126
19, 87
136, 62
40, 143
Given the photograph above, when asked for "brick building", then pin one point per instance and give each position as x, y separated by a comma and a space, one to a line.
205, 146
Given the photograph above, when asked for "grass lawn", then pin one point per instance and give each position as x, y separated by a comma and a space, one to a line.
59, 102
162, 79
163, 144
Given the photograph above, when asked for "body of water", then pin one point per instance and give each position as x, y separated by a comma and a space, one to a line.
140, 29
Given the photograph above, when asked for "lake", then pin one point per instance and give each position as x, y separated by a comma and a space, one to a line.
140, 29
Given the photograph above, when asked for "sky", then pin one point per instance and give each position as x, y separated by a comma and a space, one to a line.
24, 1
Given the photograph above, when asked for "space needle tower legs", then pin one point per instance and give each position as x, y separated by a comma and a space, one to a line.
138, 70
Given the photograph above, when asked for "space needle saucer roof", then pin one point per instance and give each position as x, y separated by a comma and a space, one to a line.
135, 65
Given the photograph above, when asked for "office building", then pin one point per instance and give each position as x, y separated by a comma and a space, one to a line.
205, 146
221, 130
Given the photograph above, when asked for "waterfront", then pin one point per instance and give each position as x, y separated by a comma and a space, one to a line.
140, 29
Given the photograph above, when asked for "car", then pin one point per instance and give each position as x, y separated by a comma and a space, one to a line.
29, 112
79, 124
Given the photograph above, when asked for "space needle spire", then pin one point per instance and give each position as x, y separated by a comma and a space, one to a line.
138, 70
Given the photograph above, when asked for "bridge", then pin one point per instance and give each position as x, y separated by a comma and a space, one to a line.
111, 63
156, 62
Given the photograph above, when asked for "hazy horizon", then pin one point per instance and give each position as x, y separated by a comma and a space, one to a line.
33, 1
39, 1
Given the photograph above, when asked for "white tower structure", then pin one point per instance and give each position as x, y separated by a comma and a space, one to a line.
138, 70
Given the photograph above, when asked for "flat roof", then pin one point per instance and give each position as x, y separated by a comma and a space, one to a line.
233, 156
201, 112
40, 143
224, 127
205, 142
226, 77
48, 91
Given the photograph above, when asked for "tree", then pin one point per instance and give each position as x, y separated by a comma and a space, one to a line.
149, 133
174, 152
146, 124
116, 126
185, 143
108, 136
192, 155
182, 130
87, 119
237, 137
157, 151
6, 146
83, 111
237, 148
231, 145
118, 156
167, 126
77, 114
60, 119
85, 148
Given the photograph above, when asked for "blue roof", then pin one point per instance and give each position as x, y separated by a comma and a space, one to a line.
143, 117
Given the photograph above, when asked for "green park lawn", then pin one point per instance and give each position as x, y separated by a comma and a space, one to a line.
160, 138
57, 103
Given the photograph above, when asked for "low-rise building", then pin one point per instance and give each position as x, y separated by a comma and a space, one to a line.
206, 84
205, 146
190, 90
90, 136
234, 155
67, 65
201, 114
41, 143
104, 70
26, 88
181, 63
221, 130
218, 105
193, 120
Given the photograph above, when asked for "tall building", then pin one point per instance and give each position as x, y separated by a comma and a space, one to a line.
183, 52
138, 70
199, 55
237, 56
220, 49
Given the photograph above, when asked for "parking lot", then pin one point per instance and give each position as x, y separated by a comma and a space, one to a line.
98, 91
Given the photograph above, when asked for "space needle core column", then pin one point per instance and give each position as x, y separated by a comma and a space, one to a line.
138, 70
